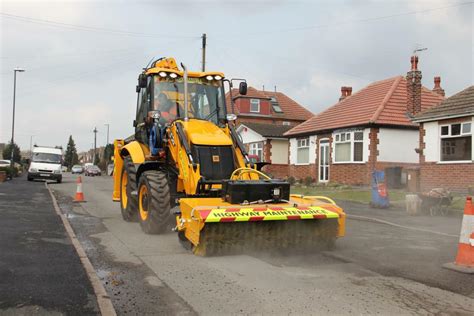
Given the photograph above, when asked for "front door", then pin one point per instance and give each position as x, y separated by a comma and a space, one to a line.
324, 160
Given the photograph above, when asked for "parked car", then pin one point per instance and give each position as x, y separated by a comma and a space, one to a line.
4, 163
92, 171
77, 169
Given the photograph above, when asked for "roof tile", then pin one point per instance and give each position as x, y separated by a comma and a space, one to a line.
381, 102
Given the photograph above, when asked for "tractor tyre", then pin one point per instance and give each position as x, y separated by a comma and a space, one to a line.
154, 203
128, 184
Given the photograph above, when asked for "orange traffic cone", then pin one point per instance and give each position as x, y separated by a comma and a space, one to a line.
465, 258
79, 194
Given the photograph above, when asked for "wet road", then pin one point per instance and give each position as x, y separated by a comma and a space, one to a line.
375, 269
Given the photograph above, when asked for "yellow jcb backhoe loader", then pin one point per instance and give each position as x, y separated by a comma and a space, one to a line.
186, 169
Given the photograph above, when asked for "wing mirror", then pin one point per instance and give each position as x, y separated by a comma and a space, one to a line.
142, 81
243, 88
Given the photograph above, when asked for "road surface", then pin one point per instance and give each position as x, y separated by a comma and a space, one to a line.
40, 271
375, 269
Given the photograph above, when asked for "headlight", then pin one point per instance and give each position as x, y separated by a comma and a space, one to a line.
173, 75
33, 170
162, 74
209, 77
57, 171
217, 77
231, 117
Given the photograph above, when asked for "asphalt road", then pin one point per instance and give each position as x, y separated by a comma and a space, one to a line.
375, 269
40, 271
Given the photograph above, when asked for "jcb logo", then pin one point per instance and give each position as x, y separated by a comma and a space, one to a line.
215, 158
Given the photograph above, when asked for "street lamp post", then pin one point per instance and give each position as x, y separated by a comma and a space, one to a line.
13, 120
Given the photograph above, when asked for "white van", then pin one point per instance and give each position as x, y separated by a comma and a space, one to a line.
46, 164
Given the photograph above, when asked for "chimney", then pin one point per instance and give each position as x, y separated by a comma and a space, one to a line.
414, 87
343, 93
437, 86
348, 91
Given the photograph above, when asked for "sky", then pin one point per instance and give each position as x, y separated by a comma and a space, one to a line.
82, 58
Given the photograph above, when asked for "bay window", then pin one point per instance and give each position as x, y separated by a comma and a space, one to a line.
348, 146
456, 142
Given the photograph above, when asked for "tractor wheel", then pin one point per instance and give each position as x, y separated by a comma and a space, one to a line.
154, 203
128, 202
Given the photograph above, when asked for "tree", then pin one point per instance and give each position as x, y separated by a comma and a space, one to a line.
71, 158
7, 152
96, 160
108, 152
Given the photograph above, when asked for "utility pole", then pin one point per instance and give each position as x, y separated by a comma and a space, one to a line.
106, 146
95, 144
204, 51
108, 125
31, 144
13, 120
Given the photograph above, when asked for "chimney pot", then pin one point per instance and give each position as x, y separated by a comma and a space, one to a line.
414, 62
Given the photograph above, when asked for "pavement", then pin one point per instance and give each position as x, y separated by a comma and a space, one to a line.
377, 268
40, 271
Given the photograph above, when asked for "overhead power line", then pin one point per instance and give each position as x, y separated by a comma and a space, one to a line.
79, 27
355, 21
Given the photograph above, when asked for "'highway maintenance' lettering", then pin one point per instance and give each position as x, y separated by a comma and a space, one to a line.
248, 214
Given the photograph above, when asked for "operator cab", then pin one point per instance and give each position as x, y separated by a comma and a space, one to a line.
161, 99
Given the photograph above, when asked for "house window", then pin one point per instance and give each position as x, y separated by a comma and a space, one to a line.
276, 107
256, 149
456, 142
302, 150
255, 105
348, 146
286, 123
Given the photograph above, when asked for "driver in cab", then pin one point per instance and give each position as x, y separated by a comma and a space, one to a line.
167, 111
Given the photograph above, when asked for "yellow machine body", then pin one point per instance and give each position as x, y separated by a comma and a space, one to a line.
203, 219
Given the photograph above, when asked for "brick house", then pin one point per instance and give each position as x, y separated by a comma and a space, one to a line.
446, 151
262, 119
266, 141
365, 131
266, 107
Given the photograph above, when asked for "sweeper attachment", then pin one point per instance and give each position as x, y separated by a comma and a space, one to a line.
187, 169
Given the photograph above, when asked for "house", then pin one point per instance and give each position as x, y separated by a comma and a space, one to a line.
365, 131
446, 151
262, 119
266, 141
266, 107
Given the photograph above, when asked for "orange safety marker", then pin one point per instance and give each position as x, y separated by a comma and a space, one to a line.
465, 258
79, 194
